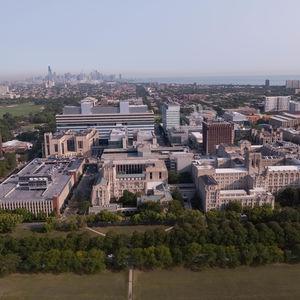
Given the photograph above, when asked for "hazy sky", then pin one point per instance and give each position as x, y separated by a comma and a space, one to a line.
151, 37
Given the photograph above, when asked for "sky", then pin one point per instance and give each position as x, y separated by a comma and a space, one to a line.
150, 37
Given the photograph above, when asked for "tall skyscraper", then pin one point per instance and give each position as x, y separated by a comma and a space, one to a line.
49, 79
170, 115
267, 83
277, 103
216, 133
49, 74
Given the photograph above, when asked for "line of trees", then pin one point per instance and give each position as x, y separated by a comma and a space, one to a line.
226, 238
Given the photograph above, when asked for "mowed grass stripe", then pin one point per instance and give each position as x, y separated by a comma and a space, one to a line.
104, 286
244, 283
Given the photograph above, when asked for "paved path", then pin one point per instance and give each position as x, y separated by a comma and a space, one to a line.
130, 284
169, 228
100, 233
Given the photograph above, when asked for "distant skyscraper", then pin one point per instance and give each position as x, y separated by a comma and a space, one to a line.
292, 84
216, 133
49, 74
267, 83
170, 115
120, 77
49, 81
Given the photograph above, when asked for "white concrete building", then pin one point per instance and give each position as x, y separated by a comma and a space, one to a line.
277, 103
170, 115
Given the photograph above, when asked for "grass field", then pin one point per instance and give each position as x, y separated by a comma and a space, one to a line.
261, 283
106, 285
20, 109
129, 229
25, 230
274, 282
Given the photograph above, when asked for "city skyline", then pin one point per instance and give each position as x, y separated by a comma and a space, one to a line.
141, 39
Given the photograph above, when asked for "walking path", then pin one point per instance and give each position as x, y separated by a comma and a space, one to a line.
100, 233
130, 284
169, 228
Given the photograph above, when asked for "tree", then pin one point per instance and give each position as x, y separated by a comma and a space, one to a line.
173, 177
163, 256
128, 199
248, 253
177, 256
138, 258
151, 206
191, 253
176, 195
9, 263
234, 206
8, 222
150, 257
120, 258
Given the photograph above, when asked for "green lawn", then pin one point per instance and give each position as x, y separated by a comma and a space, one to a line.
26, 230
105, 285
260, 283
129, 229
20, 109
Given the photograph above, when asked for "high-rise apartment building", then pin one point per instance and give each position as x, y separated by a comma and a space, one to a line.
216, 133
292, 84
170, 115
277, 103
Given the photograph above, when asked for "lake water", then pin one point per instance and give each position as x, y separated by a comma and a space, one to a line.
220, 80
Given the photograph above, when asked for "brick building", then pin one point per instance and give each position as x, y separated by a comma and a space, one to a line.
216, 133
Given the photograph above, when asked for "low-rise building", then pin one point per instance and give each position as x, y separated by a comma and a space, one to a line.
70, 143
233, 116
264, 137
16, 146
42, 186
127, 172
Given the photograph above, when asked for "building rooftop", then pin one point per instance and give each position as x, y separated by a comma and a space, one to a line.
136, 175
231, 170
58, 169
283, 168
209, 180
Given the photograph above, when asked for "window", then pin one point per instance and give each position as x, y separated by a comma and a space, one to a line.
80, 144
150, 175
55, 148
160, 175
70, 145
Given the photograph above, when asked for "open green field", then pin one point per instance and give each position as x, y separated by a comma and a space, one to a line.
20, 109
129, 229
29, 229
105, 285
261, 283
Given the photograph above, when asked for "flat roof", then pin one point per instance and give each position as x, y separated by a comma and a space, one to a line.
226, 192
283, 168
136, 175
231, 170
10, 190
